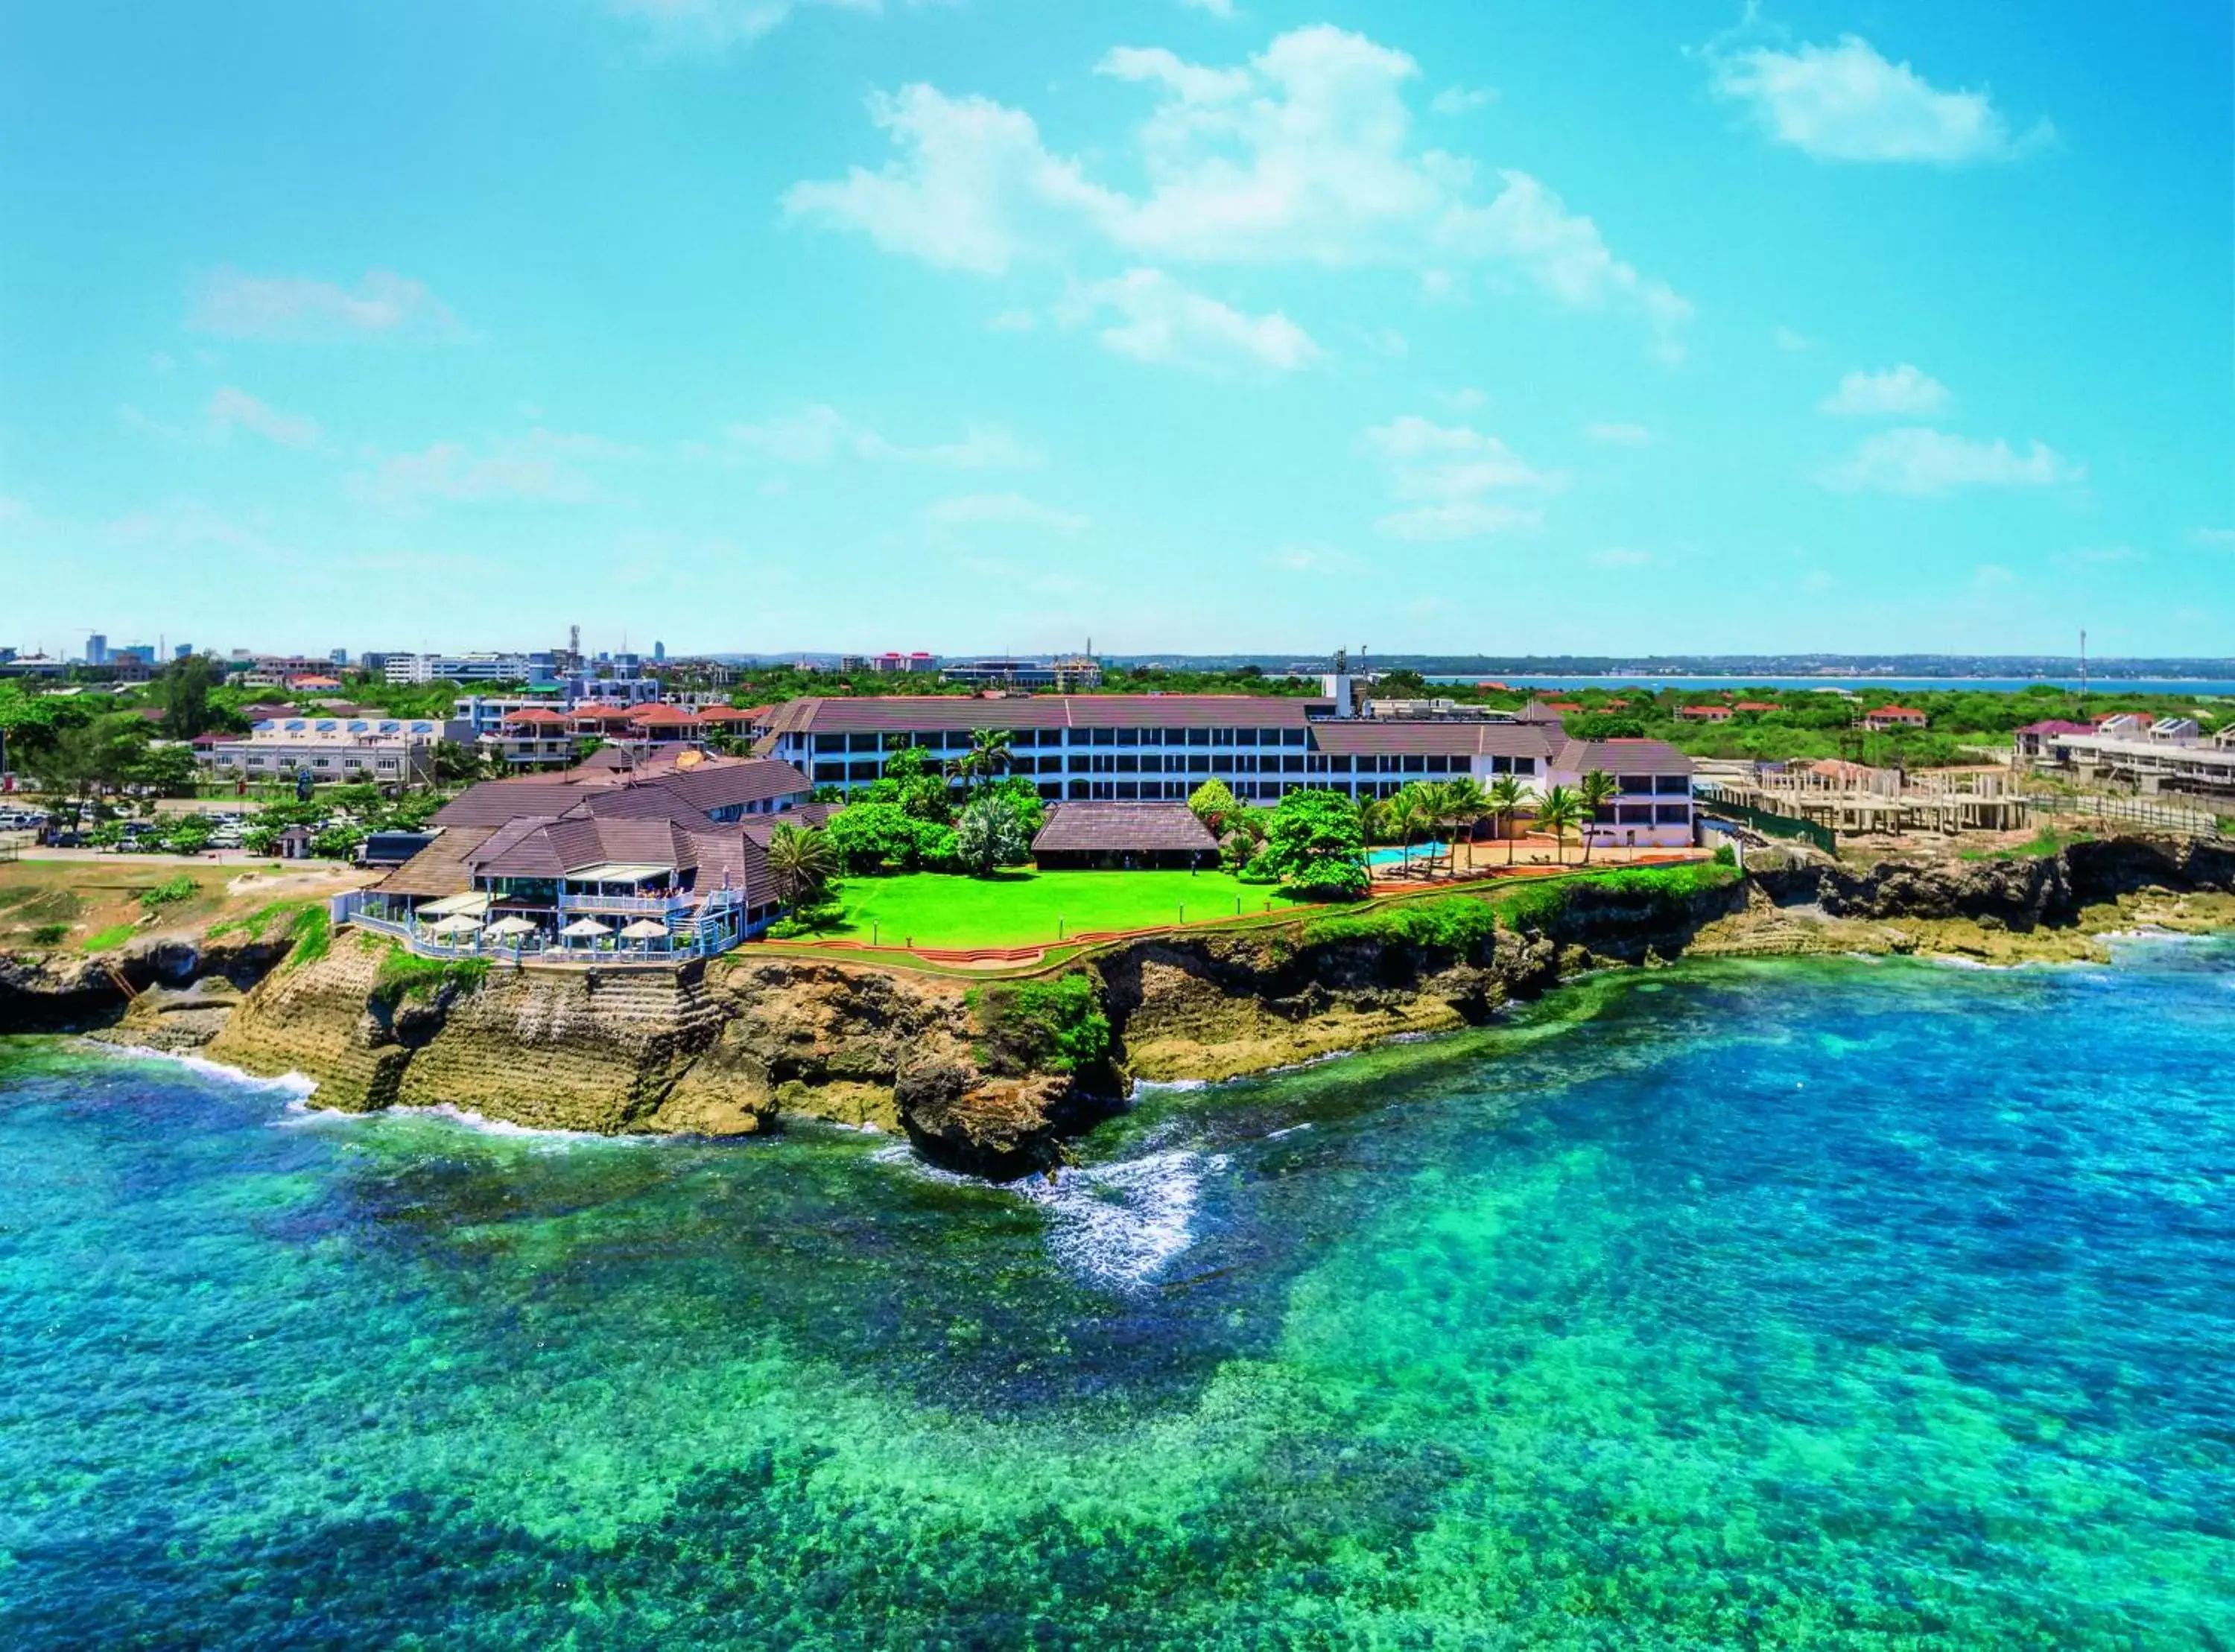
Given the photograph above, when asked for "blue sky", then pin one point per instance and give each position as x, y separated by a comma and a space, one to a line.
1185, 325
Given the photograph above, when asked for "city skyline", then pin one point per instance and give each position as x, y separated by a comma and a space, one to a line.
1199, 328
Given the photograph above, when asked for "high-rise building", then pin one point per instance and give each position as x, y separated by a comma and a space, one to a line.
183, 651
339, 657
659, 650
96, 650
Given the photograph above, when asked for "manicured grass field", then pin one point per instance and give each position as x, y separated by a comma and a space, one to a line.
1021, 907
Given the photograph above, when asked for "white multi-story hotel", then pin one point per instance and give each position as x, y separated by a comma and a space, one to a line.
397, 751
1159, 748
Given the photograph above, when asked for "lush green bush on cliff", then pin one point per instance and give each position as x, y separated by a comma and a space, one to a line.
1459, 924
1663, 890
406, 975
1041, 1026
169, 891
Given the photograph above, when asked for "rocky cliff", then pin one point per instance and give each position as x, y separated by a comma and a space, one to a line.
985, 1076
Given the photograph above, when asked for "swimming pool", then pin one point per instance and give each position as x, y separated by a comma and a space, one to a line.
1395, 854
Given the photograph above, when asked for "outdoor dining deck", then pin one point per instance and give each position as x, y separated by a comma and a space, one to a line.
461, 927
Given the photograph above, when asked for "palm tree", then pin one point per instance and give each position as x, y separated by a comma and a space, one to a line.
1597, 792
1410, 810
1559, 809
799, 862
1465, 804
988, 755
1507, 797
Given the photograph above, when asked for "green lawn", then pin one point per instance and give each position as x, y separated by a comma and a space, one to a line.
1021, 907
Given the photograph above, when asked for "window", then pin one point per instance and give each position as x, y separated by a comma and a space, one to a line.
861, 771
1129, 764
1128, 791
861, 743
1672, 814
1222, 766
1269, 736
1105, 736
1081, 764
1674, 785
827, 774
1222, 737
1636, 784
1292, 737
1340, 765
1524, 766
1198, 736
1293, 765
1129, 736
822, 742
1634, 814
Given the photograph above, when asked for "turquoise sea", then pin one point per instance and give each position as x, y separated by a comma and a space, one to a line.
1825, 1304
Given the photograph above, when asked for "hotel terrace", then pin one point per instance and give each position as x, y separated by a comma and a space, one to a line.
1157, 749
664, 858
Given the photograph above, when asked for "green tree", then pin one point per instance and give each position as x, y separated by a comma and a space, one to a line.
868, 837
990, 833
167, 770
802, 863
1508, 796
1211, 802
183, 690
1598, 792
1315, 844
455, 762
988, 756
1465, 803
912, 782
1558, 810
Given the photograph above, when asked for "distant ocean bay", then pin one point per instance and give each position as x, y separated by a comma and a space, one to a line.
2201, 686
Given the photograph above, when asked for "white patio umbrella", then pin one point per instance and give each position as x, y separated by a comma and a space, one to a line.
645, 929
585, 929
461, 924
508, 927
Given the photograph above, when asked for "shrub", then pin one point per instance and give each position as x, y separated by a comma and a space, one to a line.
1726, 856
1042, 1026
1462, 923
989, 832
406, 975
1315, 840
48, 934
170, 890
1329, 880
869, 838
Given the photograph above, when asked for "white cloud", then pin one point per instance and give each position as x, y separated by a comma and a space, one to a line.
1447, 474
1846, 102
236, 305
818, 434
1917, 460
1466, 399
2099, 556
2217, 538
1217, 8
1619, 435
1900, 392
230, 407
1790, 342
1460, 520
1461, 100
1013, 321
999, 511
1616, 556
542, 468
1305, 155
1161, 320
162, 362
718, 25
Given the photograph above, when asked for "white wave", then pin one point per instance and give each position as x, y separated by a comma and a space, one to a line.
1289, 1130
1119, 1225
294, 1084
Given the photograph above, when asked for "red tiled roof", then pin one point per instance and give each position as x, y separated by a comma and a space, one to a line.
663, 716
539, 715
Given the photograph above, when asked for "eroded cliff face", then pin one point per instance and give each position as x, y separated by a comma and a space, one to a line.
726, 1048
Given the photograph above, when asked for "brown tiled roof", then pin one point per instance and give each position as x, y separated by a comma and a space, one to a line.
760, 827
731, 713
1622, 757
439, 869
1139, 827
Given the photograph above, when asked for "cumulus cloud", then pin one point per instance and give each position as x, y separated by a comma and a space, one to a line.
1619, 435
1461, 100
1918, 461
1846, 102
1158, 320
1449, 477
1305, 155
235, 304
1898, 392
999, 511
819, 434
543, 467
230, 409
719, 25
